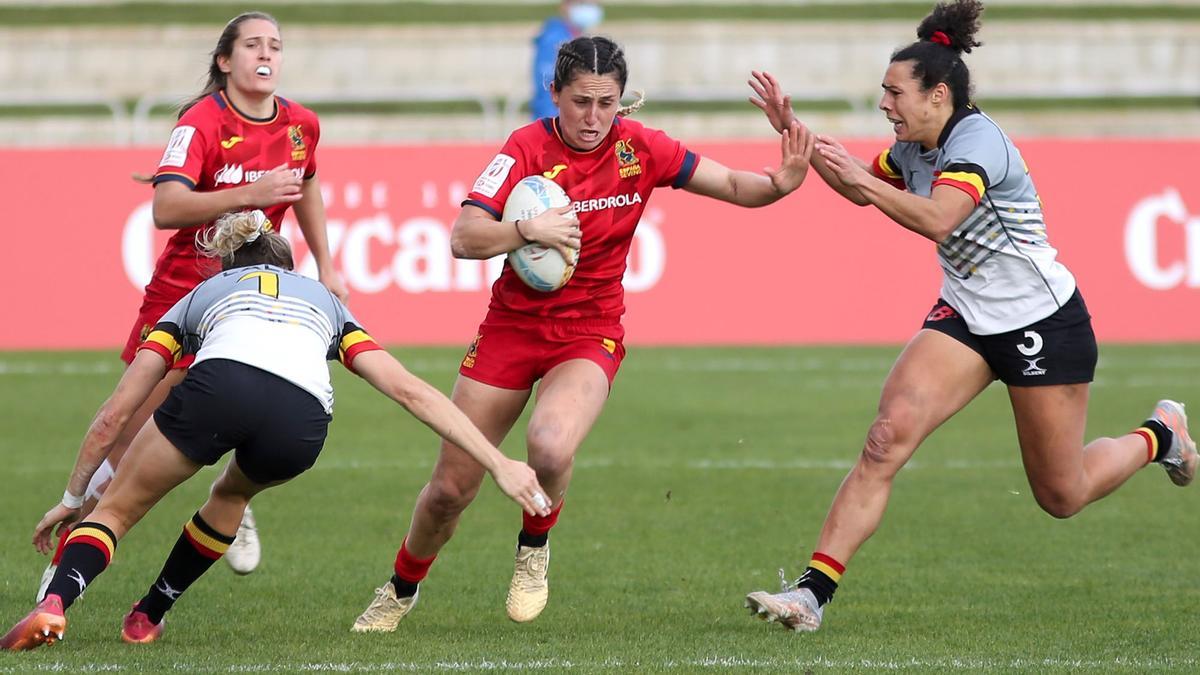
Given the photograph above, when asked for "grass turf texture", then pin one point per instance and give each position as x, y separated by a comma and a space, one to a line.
709, 469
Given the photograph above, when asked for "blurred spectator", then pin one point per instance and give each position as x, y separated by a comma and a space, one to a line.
574, 18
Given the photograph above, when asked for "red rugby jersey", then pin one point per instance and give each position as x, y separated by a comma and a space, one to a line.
609, 187
216, 147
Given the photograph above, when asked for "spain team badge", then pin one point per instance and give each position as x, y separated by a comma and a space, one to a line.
629, 164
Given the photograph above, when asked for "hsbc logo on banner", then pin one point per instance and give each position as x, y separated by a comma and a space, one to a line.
1151, 265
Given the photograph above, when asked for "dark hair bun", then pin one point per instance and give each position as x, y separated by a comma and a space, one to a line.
957, 21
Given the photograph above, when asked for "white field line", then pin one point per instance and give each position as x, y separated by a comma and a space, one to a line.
965, 663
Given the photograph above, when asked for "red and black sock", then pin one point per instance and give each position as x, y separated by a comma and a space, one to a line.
88, 551
198, 547
1158, 439
410, 571
535, 530
821, 577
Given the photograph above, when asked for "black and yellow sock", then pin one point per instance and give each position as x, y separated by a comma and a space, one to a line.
88, 551
821, 577
195, 551
1158, 439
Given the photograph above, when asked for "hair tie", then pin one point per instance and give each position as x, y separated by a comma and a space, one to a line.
940, 38
261, 224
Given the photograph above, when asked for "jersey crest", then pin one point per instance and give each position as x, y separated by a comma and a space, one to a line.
628, 163
299, 150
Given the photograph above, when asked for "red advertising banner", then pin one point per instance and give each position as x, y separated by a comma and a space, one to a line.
79, 245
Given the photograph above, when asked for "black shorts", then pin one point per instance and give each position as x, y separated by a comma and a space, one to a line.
277, 427
1060, 349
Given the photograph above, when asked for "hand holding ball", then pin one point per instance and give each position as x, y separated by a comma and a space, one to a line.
540, 267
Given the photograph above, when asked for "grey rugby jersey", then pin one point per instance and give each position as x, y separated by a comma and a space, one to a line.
998, 267
267, 317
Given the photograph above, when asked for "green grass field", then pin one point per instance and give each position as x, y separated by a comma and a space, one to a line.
710, 469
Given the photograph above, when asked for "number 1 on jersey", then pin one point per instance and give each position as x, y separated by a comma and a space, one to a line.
268, 282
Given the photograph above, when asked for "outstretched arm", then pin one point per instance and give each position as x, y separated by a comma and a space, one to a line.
934, 217
777, 106
745, 188
131, 392
431, 406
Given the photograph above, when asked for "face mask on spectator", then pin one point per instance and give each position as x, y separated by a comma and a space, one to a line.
585, 15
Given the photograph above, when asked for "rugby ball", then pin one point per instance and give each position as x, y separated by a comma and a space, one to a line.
541, 268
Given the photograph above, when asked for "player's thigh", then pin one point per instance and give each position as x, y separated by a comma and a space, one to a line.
933, 378
1051, 423
494, 410
570, 399
143, 413
152, 468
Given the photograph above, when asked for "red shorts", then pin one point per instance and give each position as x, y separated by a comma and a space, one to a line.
148, 317
512, 351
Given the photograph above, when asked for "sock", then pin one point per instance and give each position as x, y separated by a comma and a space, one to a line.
535, 530
410, 571
62, 544
1158, 439
821, 577
198, 547
88, 551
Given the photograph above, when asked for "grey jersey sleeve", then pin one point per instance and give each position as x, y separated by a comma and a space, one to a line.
975, 158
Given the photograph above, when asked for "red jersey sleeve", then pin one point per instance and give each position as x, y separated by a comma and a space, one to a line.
310, 169
676, 161
183, 160
493, 186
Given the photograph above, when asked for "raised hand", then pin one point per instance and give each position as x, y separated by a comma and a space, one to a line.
770, 99
795, 149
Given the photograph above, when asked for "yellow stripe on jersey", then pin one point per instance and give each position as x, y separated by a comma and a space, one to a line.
352, 338
884, 166
971, 179
167, 340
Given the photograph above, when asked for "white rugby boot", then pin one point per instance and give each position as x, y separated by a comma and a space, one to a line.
245, 551
1181, 458
797, 610
385, 611
794, 608
528, 590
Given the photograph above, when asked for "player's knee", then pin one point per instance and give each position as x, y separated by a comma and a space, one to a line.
880, 446
1058, 502
550, 449
446, 498
551, 466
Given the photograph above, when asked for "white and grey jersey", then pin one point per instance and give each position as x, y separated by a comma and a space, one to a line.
998, 267
267, 317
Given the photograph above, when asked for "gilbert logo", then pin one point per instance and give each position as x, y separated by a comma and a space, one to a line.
228, 143
1033, 365
1153, 266
553, 173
